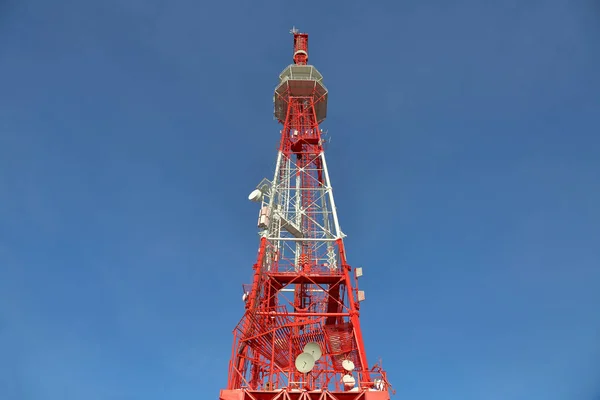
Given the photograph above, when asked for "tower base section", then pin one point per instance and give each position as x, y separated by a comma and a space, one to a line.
244, 394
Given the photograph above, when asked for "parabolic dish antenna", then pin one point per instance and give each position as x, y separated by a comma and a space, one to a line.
314, 350
348, 365
256, 195
348, 380
304, 363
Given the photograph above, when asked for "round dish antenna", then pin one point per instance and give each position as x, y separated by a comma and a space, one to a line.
348, 381
256, 195
314, 350
348, 365
304, 363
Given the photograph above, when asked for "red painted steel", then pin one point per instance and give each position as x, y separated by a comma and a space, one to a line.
325, 307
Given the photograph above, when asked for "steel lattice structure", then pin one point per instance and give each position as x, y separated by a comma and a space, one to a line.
303, 290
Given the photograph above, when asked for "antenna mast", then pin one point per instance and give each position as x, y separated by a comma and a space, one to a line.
300, 336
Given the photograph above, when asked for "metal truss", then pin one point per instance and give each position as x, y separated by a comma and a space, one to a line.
303, 291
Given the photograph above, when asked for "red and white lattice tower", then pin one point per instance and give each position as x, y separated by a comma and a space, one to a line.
300, 336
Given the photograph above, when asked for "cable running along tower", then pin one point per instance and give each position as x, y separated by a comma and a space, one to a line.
300, 335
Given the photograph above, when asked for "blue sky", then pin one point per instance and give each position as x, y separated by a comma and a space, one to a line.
464, 159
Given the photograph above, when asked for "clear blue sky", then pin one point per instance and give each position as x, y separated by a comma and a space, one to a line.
464, 156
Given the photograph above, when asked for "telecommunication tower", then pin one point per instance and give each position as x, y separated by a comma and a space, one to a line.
300, 336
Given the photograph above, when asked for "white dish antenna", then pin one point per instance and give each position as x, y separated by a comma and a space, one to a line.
348, 380
262, 189
304, 363
314, 350
255, 196
348, 365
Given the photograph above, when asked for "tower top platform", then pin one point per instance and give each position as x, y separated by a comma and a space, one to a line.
300, 81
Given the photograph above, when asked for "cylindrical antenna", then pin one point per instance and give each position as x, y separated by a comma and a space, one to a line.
300, 47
